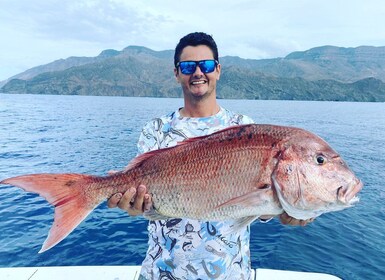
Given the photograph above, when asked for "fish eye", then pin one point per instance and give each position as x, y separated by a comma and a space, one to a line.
320, 159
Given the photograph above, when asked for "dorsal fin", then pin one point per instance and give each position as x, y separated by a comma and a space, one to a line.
137, 161
222, 131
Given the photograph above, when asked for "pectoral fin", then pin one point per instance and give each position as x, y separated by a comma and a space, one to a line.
152, 215
251, 199
259, 198
243, 222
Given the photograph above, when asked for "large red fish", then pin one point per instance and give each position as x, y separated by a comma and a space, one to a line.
241, 173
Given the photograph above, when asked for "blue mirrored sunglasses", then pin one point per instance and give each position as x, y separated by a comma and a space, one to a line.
189, 67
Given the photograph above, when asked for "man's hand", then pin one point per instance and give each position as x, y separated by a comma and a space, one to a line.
287, 220
133, 201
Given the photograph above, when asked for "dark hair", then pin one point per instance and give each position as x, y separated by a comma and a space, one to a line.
195, 39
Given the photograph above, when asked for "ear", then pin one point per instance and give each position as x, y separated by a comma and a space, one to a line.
176, 74
218, 71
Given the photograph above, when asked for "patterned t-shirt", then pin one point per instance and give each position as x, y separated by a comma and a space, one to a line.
185, 248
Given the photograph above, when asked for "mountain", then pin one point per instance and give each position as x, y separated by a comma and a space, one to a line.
322, 73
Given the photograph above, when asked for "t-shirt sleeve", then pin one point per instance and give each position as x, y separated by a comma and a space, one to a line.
246, 120
148, 139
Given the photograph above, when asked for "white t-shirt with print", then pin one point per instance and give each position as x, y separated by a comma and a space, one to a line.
185, 248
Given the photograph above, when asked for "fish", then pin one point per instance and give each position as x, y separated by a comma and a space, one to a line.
239, 173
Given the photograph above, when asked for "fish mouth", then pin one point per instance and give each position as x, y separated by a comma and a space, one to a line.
346, 197
347, 194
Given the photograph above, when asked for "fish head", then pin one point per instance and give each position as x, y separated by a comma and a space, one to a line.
310, 178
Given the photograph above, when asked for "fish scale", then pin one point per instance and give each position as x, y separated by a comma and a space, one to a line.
225, 172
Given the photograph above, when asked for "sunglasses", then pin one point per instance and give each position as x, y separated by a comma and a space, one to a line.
189, 67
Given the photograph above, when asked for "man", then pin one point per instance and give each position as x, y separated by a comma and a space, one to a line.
184, 248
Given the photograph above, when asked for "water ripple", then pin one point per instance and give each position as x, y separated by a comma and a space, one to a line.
96, 134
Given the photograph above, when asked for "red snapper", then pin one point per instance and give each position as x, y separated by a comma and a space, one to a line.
239, 173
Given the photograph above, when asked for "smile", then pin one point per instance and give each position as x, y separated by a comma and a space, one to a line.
198, 82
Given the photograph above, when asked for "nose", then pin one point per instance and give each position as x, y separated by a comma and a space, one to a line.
198, 71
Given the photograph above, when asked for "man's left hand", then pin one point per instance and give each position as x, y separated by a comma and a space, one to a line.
287, 220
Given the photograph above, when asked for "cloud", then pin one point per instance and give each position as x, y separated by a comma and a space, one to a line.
90, 21
38, 32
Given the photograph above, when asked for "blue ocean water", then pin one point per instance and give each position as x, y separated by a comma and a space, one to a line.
42, 133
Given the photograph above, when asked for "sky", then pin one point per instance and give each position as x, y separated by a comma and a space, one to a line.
38, 32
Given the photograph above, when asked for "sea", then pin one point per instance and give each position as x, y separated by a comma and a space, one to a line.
95, 134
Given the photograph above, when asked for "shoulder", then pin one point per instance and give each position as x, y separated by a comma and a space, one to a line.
153, 132
236, 118
157, 123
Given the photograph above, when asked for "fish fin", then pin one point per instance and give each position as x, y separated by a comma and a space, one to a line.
249, 199
239, 224
225, 131
153, 215
66, 193
244, 222
137, 161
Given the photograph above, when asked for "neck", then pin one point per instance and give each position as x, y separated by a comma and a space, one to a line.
200, 109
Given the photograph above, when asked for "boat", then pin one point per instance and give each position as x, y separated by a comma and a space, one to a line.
132, 273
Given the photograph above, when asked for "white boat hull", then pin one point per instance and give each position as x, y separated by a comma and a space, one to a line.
132, 273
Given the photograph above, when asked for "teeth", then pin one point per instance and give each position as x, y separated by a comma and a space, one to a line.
198, 82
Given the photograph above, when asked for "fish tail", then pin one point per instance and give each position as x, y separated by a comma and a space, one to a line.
67, 192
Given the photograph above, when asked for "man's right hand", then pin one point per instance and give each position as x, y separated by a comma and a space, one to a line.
133, 201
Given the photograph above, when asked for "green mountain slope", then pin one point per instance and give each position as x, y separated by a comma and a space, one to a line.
323, 73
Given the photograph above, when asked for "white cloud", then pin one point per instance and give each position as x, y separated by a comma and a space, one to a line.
38, 32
